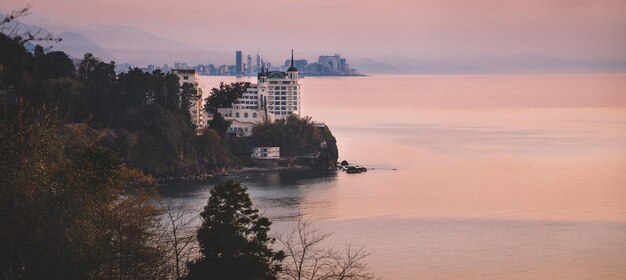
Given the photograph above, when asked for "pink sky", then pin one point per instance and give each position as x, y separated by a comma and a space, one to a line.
584, 30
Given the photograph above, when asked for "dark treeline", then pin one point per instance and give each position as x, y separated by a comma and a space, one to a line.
297, 137
143, 117
70, 209
77, 201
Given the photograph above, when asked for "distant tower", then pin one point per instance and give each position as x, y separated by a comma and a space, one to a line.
258, 60
292, 71
249, 65
238, 63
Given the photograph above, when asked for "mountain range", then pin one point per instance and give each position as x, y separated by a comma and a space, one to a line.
125, 44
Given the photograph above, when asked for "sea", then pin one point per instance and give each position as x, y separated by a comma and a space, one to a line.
469, 176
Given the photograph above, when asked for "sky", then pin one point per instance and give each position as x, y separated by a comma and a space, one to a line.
396, 31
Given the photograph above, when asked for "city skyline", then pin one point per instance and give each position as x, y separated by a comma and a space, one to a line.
486, 34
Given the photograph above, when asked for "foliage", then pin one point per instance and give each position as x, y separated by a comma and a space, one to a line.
67, 211
234, 239
219, 124
212, 150
9, 26
188, 97
298, 137
224, 96
145, 115
292, 135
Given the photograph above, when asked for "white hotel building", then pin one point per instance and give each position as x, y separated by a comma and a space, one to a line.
275, 96
199, 117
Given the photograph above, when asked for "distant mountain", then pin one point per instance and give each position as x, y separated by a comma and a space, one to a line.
76, 45
137, 46
124, 44
437, 67
413, 66
369, 66
126, 37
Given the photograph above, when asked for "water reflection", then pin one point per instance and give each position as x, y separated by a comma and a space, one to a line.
485, 177
281, 195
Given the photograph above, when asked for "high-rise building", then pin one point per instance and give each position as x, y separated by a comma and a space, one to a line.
198, 115
238, 63
249, 70
276, 95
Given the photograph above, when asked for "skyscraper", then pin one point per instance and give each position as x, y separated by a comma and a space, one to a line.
258, 61
238, 63
249, 70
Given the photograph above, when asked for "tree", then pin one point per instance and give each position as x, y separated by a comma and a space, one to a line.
70, 209
180, 235
224, 96
219, 124
9, 26
307, 260
297, 136
233, 239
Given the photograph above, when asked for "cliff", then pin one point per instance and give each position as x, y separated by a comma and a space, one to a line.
299, 139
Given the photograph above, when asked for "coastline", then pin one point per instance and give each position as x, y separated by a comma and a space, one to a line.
226, 173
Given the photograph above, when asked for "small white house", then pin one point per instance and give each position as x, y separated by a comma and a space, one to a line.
266, 152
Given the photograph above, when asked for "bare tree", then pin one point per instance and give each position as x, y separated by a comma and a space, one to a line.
308, 260
10, 27
180, 229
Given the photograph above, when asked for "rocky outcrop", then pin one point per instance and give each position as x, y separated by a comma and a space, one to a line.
328, 151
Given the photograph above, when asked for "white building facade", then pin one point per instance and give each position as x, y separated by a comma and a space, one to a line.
266, 152
199, 117
276, 95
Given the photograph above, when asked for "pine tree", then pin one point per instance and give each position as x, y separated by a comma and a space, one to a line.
233, 239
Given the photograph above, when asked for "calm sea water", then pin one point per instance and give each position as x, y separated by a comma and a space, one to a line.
473, 177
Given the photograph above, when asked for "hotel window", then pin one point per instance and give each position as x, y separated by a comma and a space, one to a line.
245, 115
295, 97
254, 115
237, 115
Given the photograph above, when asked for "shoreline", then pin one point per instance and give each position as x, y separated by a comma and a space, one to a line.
225, 173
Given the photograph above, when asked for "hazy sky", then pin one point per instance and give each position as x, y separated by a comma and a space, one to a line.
582, 30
